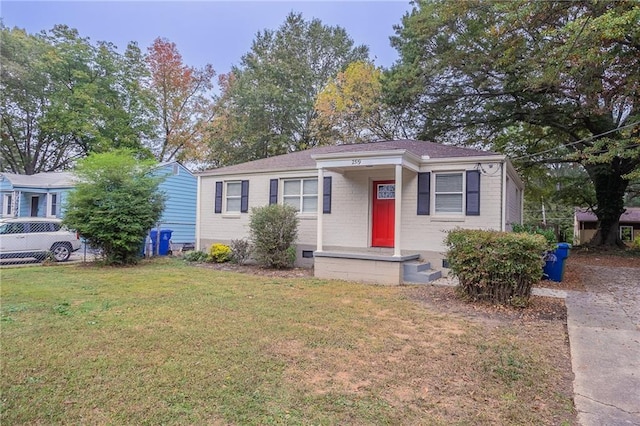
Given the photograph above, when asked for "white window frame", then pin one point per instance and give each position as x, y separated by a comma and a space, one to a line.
622, 227
8, 201
228, 197
52, 206
461, 212
301, 196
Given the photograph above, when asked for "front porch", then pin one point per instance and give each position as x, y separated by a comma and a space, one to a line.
376, 266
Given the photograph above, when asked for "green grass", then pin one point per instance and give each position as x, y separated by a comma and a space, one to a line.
167, 343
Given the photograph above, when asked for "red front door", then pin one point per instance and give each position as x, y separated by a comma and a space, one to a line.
383, 213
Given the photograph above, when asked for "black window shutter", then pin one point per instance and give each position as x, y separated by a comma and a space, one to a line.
326, 195
244, 197
273, 191
218, 203
473, 193
424, 194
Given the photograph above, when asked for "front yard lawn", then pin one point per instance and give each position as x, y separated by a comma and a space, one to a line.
168, 343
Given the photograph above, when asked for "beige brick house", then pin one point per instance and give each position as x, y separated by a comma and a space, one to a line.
374, 212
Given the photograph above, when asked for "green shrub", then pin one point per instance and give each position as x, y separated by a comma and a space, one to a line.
496, 266
220, 253
240, 251
548, 234
114, 204
274, 230
196, 256
636, 244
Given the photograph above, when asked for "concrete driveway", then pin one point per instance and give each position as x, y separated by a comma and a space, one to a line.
604, 335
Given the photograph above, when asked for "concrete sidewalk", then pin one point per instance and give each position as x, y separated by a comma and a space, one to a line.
604, 336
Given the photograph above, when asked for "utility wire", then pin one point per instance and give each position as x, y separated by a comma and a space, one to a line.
590, 138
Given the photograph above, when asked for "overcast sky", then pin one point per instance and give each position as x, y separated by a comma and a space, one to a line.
215, 32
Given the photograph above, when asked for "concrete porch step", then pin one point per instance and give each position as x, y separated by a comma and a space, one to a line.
419, 272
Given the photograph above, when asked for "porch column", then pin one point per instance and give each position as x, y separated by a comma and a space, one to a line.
320, 209
398, 213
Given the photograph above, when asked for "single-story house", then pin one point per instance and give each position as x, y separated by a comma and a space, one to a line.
44, 195
373, 212
585, 225
38, 195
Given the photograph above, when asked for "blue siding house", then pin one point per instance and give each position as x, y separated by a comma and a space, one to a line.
39, 195
44, 195
180, 188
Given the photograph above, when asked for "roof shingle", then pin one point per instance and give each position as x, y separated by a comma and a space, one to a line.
303, 160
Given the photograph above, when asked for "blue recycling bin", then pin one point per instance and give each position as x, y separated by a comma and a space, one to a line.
164, 243
554, 265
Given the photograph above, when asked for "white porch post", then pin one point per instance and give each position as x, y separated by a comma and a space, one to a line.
320, 208
198, 216
398, 213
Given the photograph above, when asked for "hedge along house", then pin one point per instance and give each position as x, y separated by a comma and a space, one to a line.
38, 195
375, 212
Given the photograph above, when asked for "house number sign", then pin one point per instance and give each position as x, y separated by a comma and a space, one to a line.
356, 162
387, 191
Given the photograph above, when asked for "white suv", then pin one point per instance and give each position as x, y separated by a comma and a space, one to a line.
35, 237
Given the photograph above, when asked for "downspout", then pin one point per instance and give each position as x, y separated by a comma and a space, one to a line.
198, 197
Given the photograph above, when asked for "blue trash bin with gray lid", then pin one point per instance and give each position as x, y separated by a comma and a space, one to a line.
555, 261
162, 245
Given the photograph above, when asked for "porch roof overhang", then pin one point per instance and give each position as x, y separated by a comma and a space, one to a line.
342, 162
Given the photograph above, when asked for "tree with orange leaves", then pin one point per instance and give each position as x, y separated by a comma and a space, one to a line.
183, 103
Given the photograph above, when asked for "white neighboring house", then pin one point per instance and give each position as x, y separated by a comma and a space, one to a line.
375, 212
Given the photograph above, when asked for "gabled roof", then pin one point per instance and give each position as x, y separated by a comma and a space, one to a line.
303, 160
41, 180
631, 215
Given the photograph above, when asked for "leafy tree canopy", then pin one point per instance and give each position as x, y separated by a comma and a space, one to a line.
183, 103
563, 78
267, 103
115, 203
63, 97
350, 108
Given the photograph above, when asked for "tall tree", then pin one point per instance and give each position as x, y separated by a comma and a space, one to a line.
62, 98
271, 95
183, 102
567, 71
349, 109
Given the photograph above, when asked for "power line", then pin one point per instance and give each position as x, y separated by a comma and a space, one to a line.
590, 138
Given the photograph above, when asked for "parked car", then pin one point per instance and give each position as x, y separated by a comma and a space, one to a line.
36, 237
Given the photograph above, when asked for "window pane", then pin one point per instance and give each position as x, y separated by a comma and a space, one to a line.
626, 233
233, 204
291, 187
233, 189
449, 203
449, 182
310, 186
310, 204
386, 191
293, 201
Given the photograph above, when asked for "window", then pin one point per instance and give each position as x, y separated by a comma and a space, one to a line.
234, 193
236, 196
626, 233
301, 194
448, 193
54, 204
7, 205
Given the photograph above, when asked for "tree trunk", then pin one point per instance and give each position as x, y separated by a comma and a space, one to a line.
610, 188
